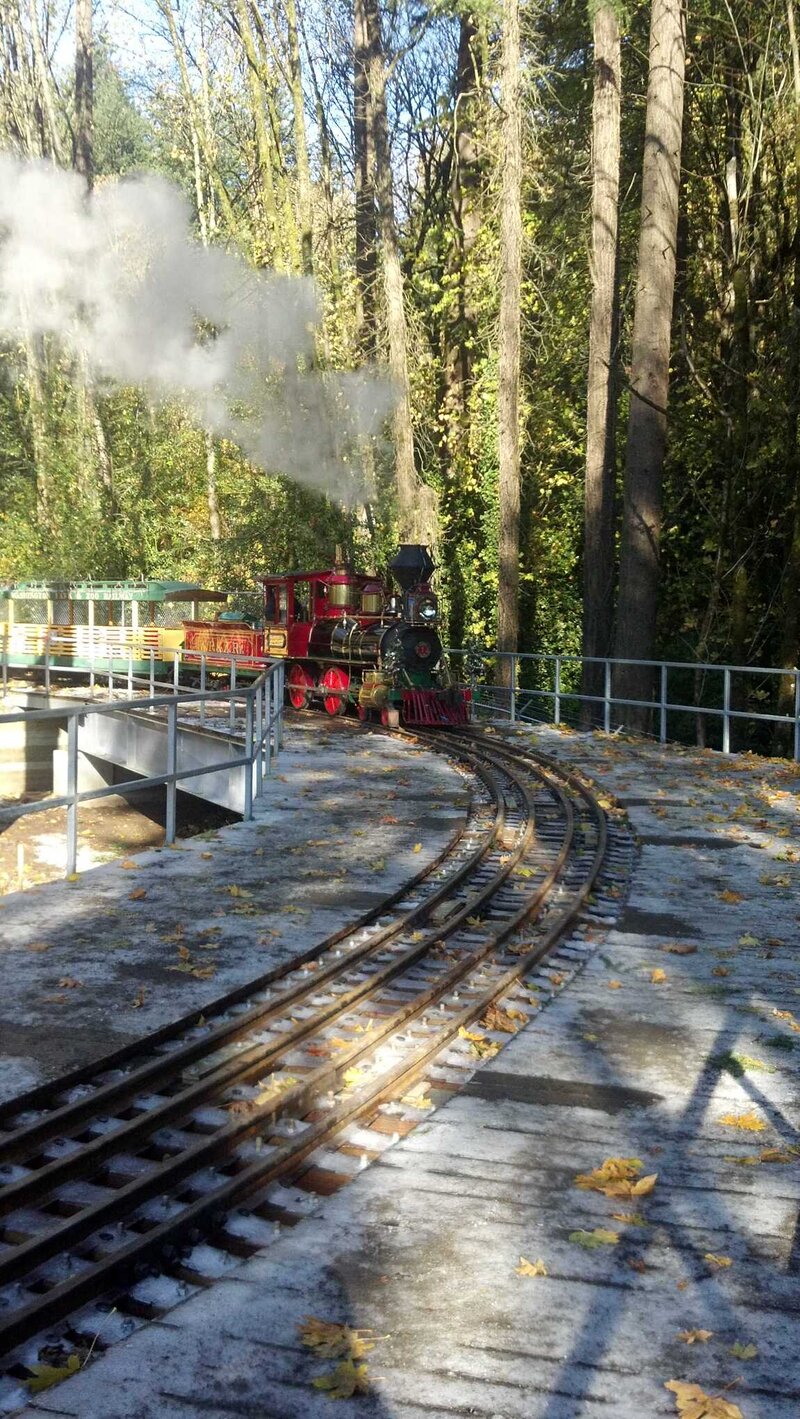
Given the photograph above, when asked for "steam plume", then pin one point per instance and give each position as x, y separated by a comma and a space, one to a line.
119, 280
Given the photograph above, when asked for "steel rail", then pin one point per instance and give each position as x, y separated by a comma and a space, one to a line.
64, 1297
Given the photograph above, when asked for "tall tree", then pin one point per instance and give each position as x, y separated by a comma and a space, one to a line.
649, 376
416, 505
601, 402
509, 342
84, 92
366, 236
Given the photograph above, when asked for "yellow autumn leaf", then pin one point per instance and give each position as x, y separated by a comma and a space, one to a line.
138, 894
417, 847
618, 1177
690, 1336
743, 1352
749, 1122
733, 898
631, 1219
44, 1376
417, 1101
236, 891
474, 921
353, 1076
657, 975
129, 864
330, 1339
531, 1268
720, 1262
615, 985
693, 1403
346, 1380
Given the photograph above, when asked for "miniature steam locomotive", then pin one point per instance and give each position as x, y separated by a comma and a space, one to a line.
349, 642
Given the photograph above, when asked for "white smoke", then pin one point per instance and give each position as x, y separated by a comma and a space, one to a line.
119, 281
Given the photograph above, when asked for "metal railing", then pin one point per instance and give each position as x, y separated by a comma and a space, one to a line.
261, 701
547, 689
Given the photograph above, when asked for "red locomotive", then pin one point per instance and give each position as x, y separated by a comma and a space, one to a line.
349, 641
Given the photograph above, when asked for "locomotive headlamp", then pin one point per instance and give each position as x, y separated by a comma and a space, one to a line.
427, 609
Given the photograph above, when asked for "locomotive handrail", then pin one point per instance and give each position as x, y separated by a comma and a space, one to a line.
263, 739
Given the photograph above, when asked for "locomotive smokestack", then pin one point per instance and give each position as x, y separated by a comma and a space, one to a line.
411, 565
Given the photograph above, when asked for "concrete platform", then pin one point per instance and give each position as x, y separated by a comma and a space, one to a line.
334, 834
422, 1248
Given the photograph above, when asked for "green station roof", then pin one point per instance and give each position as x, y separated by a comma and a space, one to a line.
141, 590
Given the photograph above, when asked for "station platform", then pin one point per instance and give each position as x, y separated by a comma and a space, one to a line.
676, 1045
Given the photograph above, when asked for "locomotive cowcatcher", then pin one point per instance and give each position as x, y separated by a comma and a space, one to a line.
349, 641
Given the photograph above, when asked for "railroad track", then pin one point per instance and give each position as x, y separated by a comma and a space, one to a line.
122, 1186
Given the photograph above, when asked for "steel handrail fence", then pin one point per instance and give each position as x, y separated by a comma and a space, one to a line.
263, 734
514, 700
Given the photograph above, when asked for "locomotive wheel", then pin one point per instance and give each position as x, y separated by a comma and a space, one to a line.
300, 682
335, 682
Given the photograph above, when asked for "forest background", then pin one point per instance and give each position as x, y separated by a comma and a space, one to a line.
413, 158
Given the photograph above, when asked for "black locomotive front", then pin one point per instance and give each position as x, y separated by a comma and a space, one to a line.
392, 646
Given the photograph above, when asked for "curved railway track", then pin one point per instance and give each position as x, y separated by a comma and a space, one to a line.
145, 1159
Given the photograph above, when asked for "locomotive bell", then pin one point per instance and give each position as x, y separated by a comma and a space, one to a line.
411, 565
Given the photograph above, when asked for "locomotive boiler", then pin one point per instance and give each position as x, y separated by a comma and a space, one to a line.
349, 641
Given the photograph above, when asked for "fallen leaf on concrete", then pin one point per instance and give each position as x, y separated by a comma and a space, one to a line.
618, 1177
720, 971
496, 1018
478, 1043
345, 1381
749, 1122
69, 983
789, 1018
129, 864
140, 997
693, 1403
743, 1352
236, 891
749, 940
719, 1262
615, 985
417, 1101
732, 898
44, 1376
138, 894
690, 1336
600, 1237
353, 1076
679, 949
38, 946
631, 1219
531, 1268
658, 976
330, 1339
417, 847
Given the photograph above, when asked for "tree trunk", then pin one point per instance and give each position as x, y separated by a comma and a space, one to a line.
509, 345
84, 92
791, 600
271, 249
416, 505
366, 249
601, 402
52, 145
649, 378
214, 519
300, 143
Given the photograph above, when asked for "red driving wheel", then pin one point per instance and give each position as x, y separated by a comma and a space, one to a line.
300, 682
335, 681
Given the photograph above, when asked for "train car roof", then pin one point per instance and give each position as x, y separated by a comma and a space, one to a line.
141, 590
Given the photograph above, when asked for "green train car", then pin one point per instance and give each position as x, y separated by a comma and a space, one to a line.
99, 625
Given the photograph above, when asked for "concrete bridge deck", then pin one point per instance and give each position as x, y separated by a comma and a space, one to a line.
678, 1044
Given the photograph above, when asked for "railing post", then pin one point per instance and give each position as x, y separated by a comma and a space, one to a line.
797, 716
269, 722
72, 793
512, 690
172, 768
557, 692
111, 677
259, 746
5, 663
47, 662
91, 668
248, 749
662, 727
726, 711
232, 710
279, 687
607, 696
176, 672
152, 674
130, 674
202, 687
